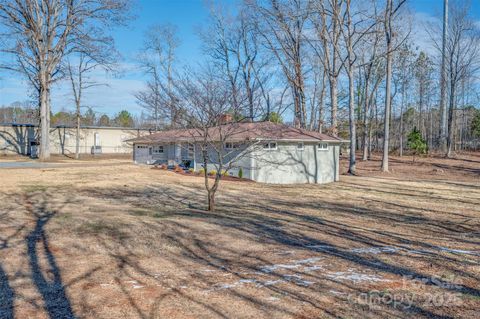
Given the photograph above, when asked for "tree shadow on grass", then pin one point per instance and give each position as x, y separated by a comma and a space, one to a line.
7, 295
278, 222
48, 281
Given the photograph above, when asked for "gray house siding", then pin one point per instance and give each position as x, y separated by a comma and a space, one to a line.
236, 158
284, 165
144, 154
290, 165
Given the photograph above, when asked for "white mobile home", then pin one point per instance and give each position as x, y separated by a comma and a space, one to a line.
264, 151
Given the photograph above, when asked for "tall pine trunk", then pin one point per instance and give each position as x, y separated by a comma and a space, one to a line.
443, 82
386, 128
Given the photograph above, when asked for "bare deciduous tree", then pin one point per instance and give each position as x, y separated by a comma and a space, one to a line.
157, 60
39, 33
463, 58
282, 30
390, 14
206, 99
79, 68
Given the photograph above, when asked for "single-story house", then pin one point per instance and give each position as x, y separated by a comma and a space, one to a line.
264, 151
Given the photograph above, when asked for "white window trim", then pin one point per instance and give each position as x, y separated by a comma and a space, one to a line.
270, 148
320, 147
302, 146
233, 146
156, 149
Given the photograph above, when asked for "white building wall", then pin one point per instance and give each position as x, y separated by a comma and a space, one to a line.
15, 139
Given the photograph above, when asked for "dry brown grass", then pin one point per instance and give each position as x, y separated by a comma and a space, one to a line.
126, 241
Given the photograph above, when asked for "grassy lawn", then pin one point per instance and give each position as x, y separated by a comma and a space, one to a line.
126, 241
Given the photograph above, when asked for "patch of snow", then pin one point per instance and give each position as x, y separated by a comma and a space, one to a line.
459, 251
313, 268
270, 282
227, 286
375, 250
273, 298
355, 277
271, 268
137, 286
337, 292
297, 279
294, 264
308, 260
419, 252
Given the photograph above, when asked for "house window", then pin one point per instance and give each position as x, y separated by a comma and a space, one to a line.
322, 146
300, 146
191, 150
270, 146
158, 149
230, 145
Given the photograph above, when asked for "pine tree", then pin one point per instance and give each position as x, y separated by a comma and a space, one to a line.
476, 124
416, 143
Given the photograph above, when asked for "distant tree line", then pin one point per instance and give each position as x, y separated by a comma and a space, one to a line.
18, 113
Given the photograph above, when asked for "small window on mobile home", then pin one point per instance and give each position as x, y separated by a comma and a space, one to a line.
322, 146
300, 146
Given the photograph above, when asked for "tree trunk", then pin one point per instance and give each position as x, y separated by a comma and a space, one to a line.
77, 138
321, 105
377, 141
250, 101
365, 123
333, 102
386, 128
402, 107
303, 110
443, 82
44, 152
211, 201
450, 119
351, 113
386, 135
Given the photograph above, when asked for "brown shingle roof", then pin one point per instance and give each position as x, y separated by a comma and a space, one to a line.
237, 132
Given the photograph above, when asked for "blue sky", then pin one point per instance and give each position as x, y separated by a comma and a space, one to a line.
188, 16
